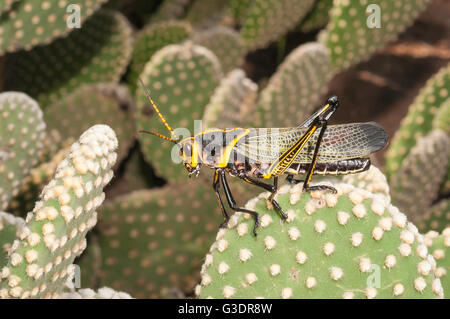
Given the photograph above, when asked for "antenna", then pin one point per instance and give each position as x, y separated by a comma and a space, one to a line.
159, 114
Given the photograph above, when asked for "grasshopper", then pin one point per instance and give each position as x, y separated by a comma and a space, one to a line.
255, 154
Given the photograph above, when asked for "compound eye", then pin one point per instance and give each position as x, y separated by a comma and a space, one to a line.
181, 152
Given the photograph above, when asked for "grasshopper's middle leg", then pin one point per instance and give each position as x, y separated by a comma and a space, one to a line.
271, 188
232, 202
216, 185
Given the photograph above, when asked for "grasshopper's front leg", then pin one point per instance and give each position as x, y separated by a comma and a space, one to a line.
232, 203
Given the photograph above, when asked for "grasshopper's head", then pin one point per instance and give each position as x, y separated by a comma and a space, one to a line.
190, 155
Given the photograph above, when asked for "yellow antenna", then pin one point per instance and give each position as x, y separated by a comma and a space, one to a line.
159, 114
159, 135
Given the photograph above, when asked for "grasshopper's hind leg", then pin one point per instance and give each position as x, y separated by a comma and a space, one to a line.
232, 202
291, 180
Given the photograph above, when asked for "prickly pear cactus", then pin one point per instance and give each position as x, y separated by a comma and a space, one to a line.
436, 218
204, 13
170, 10
266, 21
296, 89
106, 103
349, 245
318, 16
22, 131
33, 184
26, 24
372, 180
439, 247
238, 9
357, 29
429, 155
442, 122
102, 293
151, 39
40, 259
225, 43
181, 80
9, 226
419, 120
233, 102
98, 52
154, 240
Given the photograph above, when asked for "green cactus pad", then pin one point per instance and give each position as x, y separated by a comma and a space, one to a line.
439, 247
151, 39
442, 121
411, 189
233, 102
33, 184
9, 226
90, 262
297, 88
436, 218
318, 16
6, 5
22, 131
102, 293
225, 43
266, 20
203, 13
351, 35
29, 23
419, 120
98, 52
372, 180
154, 240
170, 9
90, 104
181, 80
349, 245
238, 9
40, 260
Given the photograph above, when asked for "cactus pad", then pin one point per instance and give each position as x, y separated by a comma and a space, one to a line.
349, 245
225, 43
102, 293
419, 120
297, 88
22, 131
41, 257
9, 226
90, 104
439, 247
266, 20
98, 52
318, 16
26, 24
151, 39
154, 240
352, 36
435, 218
416, 184
233, 102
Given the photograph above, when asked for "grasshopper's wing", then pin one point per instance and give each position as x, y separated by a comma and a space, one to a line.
340, 142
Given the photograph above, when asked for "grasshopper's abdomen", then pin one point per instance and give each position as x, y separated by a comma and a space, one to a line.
343, 167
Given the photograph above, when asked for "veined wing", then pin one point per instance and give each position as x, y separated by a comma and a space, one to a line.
340, 142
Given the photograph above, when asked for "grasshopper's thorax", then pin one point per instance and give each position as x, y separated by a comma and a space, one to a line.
211, 148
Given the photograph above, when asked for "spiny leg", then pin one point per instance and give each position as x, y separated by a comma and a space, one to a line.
271, 188
232, 202
216, 185
306, 187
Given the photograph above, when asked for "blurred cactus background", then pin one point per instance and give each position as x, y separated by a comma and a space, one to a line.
85, 198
